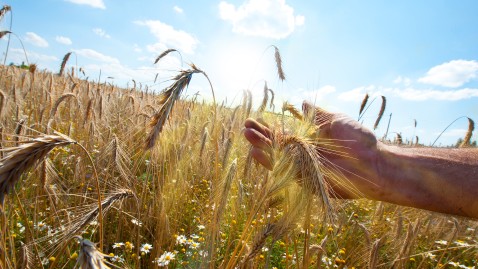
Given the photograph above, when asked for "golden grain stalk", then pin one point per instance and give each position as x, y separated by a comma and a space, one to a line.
163, 54
3, 33
167, 99
265, 99
63, 63
20, 158
4, 11
308, 164
364, 103
380, 113
278, 59
469, 133
294, 111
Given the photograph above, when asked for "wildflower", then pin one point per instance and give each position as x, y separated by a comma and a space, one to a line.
265, 249
41, 226
128, 246
74, 255
339, 261
118, 245
454, 264
137, 222
201, 227
52, 259
165, 259
181, 240
146, 247
461, 243
442, 242
194, 245
430, 255
117, 259
203, 253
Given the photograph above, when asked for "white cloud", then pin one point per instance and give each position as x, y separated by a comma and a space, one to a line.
92, 3
17, 55
312, 96
451, 74
178, 10
168, 37
357, 94
424, 95
156, 48
101, 32
265, 18
36, 40
403, 80
409, 93
63, 40
94, 55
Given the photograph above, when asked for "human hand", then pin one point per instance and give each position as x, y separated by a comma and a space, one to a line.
350, 152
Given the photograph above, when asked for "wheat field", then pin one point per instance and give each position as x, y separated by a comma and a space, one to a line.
97, 176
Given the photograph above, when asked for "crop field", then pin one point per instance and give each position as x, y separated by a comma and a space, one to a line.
94, 175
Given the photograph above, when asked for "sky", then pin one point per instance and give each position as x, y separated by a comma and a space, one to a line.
421, 55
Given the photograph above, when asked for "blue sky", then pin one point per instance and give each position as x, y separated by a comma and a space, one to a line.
421, 55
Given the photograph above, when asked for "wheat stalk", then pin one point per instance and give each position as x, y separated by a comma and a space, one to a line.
20, 158
469, 133
363, 104
307, 162
58, 102
4, 11
4, 33
278, 59
271, 104
294, 111
164, 53
167, 99
380, 113
265, 99
373, 257
63, 63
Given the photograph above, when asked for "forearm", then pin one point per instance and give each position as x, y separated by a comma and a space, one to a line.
437, 179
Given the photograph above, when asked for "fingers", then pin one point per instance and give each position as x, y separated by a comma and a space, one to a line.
258, 140
259, 135
262, 157
261, 127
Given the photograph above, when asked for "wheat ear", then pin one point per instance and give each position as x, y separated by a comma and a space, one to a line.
294, 111
380, 113
469, 133
58, 102
307, 162
20, 158
4, 11
164, 53
167, 99
278, 59
363, 104
265, 99
3, 33
63, 63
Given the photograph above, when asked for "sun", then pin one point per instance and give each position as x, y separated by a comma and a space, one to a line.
239, 66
